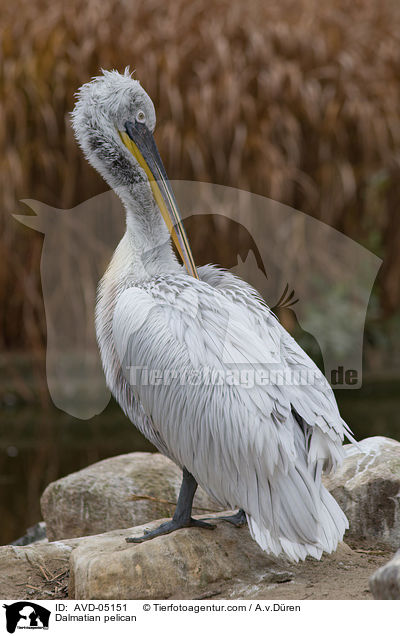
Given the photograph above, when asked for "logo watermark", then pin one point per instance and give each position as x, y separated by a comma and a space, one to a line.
26, 615
331, 274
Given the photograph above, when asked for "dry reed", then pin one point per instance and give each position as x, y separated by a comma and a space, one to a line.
296, 100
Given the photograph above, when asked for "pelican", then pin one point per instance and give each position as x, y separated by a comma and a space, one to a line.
259, 449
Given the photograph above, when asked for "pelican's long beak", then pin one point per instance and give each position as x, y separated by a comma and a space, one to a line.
140, 142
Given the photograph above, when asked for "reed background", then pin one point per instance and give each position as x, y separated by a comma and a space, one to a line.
296, 100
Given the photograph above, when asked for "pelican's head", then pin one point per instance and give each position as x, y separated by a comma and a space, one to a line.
114, 121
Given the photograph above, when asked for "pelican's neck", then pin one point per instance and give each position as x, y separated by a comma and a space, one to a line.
149, 242
147, 235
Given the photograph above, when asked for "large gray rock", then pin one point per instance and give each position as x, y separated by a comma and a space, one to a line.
190, 563
385, 582
367, 487
184, 564
96, 499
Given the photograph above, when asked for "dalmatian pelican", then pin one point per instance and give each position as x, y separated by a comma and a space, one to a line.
258, 449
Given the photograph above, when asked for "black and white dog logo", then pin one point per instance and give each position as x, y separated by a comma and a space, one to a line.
26, 615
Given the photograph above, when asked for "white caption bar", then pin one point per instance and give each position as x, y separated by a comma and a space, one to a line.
173, 618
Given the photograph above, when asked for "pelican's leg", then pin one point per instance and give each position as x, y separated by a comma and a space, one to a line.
183, 513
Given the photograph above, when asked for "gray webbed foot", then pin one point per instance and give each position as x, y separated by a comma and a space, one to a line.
238, 519
169, 526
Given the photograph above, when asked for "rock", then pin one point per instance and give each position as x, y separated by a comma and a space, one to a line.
23, 570
367, 487
190, 563
184, 564
385, 582
96, 499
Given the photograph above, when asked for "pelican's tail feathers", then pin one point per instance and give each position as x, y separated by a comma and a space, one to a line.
331, 528
334, 522
304, 518
276, 545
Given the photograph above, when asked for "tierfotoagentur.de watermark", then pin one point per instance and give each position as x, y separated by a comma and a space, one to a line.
244, 377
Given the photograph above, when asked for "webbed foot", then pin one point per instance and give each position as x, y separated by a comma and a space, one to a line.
238, 519
169, 526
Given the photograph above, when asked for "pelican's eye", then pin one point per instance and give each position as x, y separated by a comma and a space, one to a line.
140, 117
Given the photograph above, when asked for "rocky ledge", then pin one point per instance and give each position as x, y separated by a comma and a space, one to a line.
123, 495
189, 564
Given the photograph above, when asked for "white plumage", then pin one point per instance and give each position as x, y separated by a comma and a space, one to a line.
261, 448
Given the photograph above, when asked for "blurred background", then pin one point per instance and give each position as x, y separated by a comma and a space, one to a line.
297, 101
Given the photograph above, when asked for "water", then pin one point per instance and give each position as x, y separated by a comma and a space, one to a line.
37, 447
